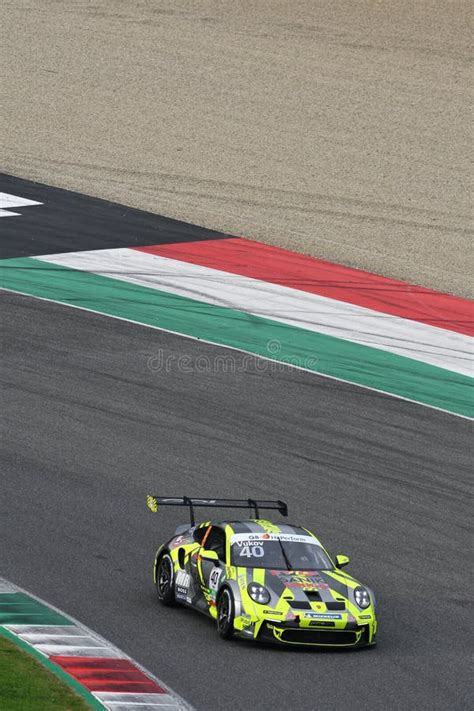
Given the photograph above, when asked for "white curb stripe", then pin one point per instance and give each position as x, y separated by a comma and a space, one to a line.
129, 701
115, 697
53, 630
66, 650
69, 641
66, 640
138, 707
411, 339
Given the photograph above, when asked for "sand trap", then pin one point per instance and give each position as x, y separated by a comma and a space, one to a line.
340, 129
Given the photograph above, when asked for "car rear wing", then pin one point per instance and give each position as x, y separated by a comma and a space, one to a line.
154, 501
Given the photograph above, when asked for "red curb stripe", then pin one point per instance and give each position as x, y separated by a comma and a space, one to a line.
316, 276
103, 674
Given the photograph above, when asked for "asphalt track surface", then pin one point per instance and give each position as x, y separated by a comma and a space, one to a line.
89, 427
67, 221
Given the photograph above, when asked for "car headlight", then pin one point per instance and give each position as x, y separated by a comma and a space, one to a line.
258, 593
362, 598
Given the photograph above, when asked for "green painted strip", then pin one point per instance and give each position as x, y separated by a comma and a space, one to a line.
21, 609
322, 354
54, 669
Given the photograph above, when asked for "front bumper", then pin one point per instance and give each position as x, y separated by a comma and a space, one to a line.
353, 635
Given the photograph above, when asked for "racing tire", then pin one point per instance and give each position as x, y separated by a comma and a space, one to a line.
225, 614
165, 580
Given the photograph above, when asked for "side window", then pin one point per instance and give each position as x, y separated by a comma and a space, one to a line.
216, 542
199, 533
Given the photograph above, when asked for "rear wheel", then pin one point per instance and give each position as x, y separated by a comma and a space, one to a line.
165, 580
225, 614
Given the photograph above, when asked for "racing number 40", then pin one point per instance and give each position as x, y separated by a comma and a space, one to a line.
249, 551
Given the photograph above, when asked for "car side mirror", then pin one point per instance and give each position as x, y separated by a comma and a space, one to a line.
209, 555
342, 560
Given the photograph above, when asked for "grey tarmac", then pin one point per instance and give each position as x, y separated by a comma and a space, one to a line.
89, 426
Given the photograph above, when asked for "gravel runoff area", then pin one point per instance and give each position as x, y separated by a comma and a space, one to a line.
340, 129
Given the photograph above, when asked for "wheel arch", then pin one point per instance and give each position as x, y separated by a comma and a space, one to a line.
234, 589
159, 554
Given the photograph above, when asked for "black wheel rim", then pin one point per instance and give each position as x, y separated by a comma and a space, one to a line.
164, 577
224, 612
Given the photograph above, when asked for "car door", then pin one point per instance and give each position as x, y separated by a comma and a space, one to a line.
211, 571
194, 570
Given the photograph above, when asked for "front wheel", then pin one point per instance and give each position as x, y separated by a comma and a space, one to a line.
165, 580
225, 614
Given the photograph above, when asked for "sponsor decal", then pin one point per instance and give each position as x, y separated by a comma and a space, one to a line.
214, 578
242, 581
183, 580
301, 580
249, 544
307, 586
248, 539
306, 573
272, 612
178, 541
246, 620
322, 616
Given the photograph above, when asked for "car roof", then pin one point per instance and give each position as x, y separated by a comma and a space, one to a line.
253, 525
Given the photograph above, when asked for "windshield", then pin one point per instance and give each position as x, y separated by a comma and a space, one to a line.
278, 551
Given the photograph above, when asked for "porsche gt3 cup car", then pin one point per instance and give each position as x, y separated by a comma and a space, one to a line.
262, 581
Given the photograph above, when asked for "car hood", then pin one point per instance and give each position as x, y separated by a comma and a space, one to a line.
324, 586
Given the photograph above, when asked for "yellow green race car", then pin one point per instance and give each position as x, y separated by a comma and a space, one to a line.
262, 581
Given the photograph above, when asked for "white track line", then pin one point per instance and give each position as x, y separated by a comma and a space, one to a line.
241, 350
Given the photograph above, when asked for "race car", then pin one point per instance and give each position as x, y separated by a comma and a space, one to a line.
261, 580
